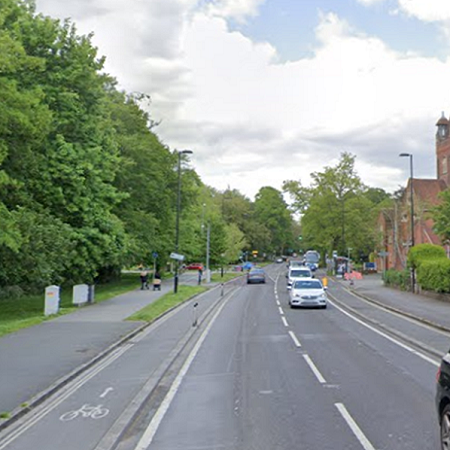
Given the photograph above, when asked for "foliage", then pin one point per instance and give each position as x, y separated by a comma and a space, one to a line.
398, 279
434, 275
424, 252
441, 216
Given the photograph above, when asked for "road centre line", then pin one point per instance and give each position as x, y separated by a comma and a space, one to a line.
386, 336
314, 369
149, 433
354, 427
284, 321
294, 338
281, 310
278, 302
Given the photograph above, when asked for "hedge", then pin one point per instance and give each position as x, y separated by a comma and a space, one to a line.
434, 275
424, 252
399, 279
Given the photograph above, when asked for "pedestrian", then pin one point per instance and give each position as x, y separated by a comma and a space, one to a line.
144, 279
200, 274
157, 281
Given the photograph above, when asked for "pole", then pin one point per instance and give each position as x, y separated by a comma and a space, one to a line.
177, 223
208, 234
413, 275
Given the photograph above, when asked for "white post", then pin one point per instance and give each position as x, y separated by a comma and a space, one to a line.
208, 273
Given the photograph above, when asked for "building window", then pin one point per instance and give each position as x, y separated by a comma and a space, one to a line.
444, 165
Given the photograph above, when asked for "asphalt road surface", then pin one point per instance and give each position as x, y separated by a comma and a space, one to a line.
255, 375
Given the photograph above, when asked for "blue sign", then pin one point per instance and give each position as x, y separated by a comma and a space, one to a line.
155, 255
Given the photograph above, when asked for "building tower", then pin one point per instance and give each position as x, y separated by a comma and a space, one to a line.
443, 150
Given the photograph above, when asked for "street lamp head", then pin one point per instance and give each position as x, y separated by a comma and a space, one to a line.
185, 152
405, 154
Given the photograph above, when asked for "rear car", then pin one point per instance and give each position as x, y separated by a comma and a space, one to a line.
256, 276
308, 292
297, 273
194, 266
443, 400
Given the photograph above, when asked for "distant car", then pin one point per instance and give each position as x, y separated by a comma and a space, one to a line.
296, 263
308, 293
297, 273
443, 400
256, 276
194, 266
279, 260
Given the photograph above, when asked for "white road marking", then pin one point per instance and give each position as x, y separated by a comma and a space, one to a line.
354, 427
314, 369
386, 336
281, 310
278, 302
294, 338
284, 321
151, 430
106, 392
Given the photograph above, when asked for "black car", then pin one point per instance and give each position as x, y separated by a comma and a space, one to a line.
256, 276
443, 400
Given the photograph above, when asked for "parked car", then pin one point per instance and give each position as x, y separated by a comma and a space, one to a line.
308, 292
256, 276
297, 273
194, 266
279, 260
443, 400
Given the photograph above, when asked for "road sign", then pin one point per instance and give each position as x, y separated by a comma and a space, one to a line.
383, 253
177, 256
155, 255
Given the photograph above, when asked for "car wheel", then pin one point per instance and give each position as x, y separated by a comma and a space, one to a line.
324, 307
445, 428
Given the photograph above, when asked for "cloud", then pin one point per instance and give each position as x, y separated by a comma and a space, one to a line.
428, 11
253, 120
239, 10
370, 2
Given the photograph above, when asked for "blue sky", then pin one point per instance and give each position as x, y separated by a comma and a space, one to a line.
289, 26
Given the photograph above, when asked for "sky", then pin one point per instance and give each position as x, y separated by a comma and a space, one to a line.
264, 91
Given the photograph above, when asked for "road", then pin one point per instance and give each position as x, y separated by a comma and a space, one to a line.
254, 375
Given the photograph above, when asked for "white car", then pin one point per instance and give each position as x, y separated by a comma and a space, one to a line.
298, 273
308, 292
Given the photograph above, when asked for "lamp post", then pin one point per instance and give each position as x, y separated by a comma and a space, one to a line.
413, 281
177, 223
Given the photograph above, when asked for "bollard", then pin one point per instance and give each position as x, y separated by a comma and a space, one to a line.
194, 322
222, 287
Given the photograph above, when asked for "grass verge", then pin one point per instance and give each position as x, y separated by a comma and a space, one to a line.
166, 302
227, 276
28, 310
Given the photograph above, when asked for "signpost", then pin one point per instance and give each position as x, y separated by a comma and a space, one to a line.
177, 256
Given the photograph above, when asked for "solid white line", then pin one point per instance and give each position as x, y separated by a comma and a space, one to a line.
294, 338
284, 321
386, 336
281, 310
151, 430
354, 427
315, 370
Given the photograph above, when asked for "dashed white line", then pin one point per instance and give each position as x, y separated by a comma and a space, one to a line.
294, 338
314, 369
284, 321
278, 303
281, 310
354, 427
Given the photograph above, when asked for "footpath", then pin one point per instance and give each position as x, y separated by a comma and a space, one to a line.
36, 360
421, 307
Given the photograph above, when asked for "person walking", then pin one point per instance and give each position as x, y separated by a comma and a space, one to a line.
144, 279
157, 281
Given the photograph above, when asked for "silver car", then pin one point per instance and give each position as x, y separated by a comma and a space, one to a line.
308, 293
298, 273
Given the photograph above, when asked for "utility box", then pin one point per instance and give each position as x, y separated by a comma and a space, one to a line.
91, 293
51, 300
80, 294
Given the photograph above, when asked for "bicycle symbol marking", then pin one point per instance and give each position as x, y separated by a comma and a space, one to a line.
94, 412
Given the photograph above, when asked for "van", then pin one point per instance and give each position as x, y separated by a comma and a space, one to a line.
298, 273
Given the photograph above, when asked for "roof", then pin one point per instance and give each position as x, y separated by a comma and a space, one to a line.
442, 121
427, 190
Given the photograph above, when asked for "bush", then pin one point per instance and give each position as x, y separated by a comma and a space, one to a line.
424, 252
434, 275
398, 279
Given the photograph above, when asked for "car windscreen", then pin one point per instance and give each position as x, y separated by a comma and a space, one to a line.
257, 272
300, 274
307, 284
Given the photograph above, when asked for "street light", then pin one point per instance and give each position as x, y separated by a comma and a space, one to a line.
413, 281
177, 223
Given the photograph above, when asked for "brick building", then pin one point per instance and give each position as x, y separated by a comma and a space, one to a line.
394, 224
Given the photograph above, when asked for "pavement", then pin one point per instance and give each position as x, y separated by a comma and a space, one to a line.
36, 361
426, 309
